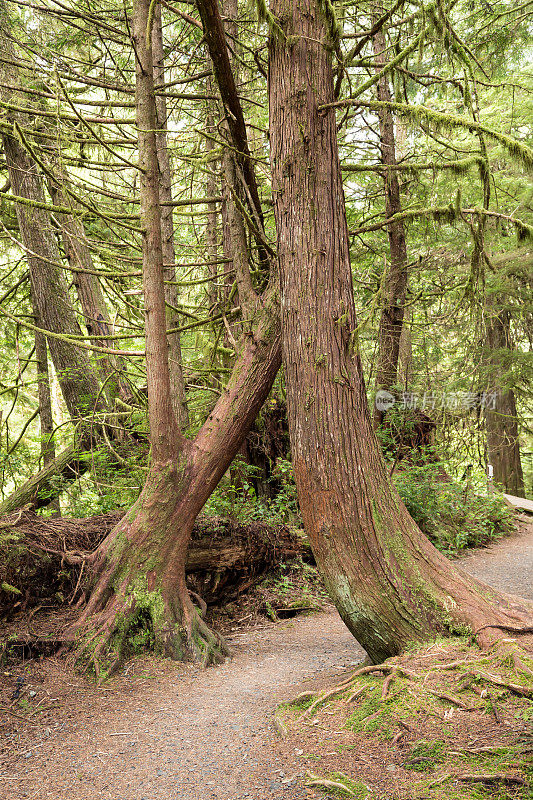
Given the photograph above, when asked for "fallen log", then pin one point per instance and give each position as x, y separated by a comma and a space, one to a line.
46, 485
42, 560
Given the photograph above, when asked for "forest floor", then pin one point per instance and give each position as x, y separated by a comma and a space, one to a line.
165, 730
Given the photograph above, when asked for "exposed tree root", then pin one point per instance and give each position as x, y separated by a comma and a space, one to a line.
386, 685
492, 778
351, 697
134, 620
104, 651
349, 688
508, 628
392, 690
451, 699
512, 687
324, 783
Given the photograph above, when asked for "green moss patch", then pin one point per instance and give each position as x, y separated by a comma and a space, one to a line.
444, 722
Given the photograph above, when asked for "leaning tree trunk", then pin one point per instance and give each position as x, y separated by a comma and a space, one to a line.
140, 566
390, 584
503, 445
394, 284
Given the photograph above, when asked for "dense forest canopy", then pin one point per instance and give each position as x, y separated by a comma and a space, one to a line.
68, 90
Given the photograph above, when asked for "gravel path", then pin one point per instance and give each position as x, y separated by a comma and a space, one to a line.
185, 734
506, 565
190, 734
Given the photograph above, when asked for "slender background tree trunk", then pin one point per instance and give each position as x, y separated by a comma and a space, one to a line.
394, 283
177, 382
503, 444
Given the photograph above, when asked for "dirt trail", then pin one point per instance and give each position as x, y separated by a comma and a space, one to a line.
174, 732
506, 565
189, 735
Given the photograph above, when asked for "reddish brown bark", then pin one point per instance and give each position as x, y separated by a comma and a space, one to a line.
140, 567
177, 382
216, 43
141, 564
389, 583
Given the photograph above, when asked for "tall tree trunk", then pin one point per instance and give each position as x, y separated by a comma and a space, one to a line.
177, 382
88, 287
45, 400
140, 566
394, 284
390, 584
211, 228
503, 445
53, 307
48, 450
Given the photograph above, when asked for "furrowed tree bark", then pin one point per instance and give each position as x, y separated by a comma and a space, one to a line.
211, 228
139, 569
394, 285
216, 42
177, 382
232, 234
390, 585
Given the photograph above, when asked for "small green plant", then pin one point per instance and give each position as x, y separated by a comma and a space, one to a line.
452, 516
424, 755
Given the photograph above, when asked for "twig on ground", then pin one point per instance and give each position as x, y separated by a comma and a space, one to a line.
451, 699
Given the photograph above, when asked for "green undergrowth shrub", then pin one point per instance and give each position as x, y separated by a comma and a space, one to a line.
236, 497
108, 486
292, 585
449, 513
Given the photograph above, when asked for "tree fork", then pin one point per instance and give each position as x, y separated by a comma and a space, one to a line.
139, 569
